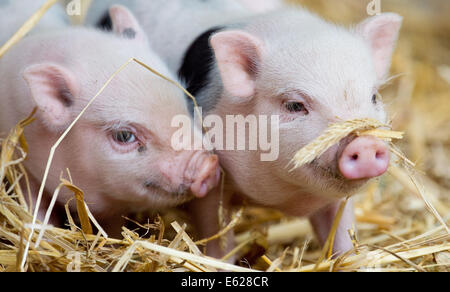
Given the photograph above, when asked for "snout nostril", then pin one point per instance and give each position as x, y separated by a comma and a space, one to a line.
380, 155
355, 157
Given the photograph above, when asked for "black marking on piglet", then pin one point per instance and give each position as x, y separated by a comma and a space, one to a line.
129, 33
198, 63
105, 22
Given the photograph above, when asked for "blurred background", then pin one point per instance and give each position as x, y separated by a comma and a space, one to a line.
390, 209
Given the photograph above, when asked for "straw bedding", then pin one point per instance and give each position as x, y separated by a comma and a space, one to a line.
402, 217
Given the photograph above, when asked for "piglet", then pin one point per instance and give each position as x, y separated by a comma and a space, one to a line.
291, 64
121, 152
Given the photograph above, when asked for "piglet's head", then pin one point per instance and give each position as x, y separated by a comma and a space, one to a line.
121, 147
311, 77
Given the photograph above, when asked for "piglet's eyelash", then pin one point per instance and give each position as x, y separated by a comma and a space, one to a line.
117, 127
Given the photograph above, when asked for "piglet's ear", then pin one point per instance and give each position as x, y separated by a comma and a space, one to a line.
125, 24
54, 89
382, 33
238, 54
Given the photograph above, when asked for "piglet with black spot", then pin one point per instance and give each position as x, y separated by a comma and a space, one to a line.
286, 62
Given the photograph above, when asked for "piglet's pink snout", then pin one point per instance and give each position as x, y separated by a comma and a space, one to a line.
364, 158
207, 176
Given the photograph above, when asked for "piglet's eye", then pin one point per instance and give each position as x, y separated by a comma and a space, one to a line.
296, 107
124, 137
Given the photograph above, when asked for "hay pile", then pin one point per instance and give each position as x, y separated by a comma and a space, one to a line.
397, 229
